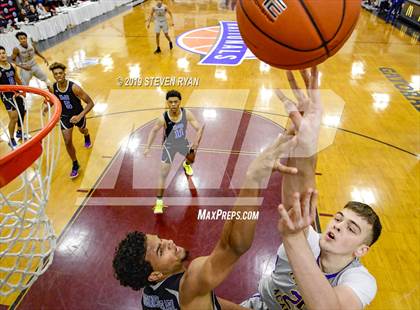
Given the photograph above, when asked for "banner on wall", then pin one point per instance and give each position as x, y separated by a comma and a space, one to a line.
9, 9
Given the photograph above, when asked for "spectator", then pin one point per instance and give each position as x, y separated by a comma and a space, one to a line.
26, 6
71, 2
32, 14
40, 9
384, 6
395, 10
23, 17
3, 22
51, 5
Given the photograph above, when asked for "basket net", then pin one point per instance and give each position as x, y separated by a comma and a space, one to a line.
27, 239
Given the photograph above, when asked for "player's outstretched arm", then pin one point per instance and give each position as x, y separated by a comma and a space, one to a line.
82, 95
199, 128
17, 76
150, 18
172, 17
311, 281
158, 125
305, 115
206, 273
39, 54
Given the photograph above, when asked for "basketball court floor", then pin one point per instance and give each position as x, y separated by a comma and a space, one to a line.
370, 146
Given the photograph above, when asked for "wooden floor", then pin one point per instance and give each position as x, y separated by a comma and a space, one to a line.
369, 155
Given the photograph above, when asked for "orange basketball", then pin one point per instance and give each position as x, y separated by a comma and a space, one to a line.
296, 34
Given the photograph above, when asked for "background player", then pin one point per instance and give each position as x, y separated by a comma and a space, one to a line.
73, 113
161, 23
13, 103
24, 57
175, 122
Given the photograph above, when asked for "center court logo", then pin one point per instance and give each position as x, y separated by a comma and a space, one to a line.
220, 45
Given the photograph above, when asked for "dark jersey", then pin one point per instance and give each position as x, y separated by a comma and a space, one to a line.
165, 295
71, 105
175, 132
7, 77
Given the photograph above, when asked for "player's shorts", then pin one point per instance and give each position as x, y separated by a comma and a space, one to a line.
161, 26
12, 103
171, 149
36, 71
255, 303
66, 124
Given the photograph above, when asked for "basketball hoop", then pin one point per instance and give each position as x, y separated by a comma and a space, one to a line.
27, 239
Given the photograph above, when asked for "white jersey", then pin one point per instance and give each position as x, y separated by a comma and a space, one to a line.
26, 55
160, 14
279, 290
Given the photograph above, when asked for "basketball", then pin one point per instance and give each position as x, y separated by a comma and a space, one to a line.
296, 34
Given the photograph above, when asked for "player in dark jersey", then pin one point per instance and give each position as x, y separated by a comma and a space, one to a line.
175, 123
73, 114
146, 260
13, 102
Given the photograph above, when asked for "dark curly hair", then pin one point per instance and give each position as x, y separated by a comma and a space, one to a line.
20, 33
57, 65
130, 265
173, 93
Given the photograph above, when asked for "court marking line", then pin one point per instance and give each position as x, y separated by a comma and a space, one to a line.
254, 114
268, 113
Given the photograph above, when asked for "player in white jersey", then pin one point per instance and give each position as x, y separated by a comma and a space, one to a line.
161, 23
314, 271
24, 57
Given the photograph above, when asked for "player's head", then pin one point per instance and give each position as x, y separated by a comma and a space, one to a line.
159, 3
352, 230
3, 54
59, 71
173, 100
22, 38
141, 259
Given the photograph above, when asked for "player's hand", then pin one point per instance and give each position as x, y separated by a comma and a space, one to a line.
300, 215
45, 108
75, 119
194, 147
269, 160
308, 125
20, 94
146, 151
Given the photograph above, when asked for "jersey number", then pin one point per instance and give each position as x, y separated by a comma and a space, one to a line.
68, 105
179, 133
290, 301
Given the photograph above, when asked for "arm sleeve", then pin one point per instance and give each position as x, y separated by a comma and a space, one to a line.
361, 282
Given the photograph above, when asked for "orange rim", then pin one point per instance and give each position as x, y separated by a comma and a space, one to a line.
6, 161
